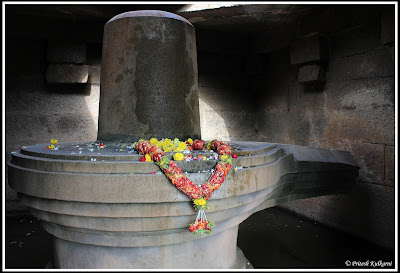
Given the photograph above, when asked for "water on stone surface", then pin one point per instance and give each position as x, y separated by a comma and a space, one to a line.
272, 238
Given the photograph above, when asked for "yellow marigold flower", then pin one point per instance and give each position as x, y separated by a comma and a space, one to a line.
190, 141
199, 202
182, 145
148, 157
51, 147
167, 141
53, 141
166, 148
153, 141
224, 157
178, 156
176, 141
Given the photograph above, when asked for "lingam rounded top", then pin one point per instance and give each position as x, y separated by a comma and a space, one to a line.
149, 13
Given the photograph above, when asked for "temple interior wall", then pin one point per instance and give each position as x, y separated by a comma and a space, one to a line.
353, 110
250, 89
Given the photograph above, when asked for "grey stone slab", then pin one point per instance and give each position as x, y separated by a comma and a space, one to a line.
377, 63
310, 49
67, 73
360, 94
311, 74
26, 99
67, 52
359, 40
64, 127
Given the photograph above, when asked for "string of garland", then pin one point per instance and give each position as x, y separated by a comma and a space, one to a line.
198, 194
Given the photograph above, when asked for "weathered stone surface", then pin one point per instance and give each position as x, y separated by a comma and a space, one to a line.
337, 18
140, 214
221, 70
359, 40
363, 126
300, 99
66, 52
311, 74
269, 126
278, 39
371, 159
311, 49
64, 127
373, 64
220, 252
361, 94
351, 212
94, 74
149, 78
67, 73
388, 25
225, 100
389, 165
222, 125
52, 100
358, 111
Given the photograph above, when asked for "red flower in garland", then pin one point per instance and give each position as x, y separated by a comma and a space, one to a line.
198, 144
184, 184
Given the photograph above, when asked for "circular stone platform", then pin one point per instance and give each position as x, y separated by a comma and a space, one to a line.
107, 209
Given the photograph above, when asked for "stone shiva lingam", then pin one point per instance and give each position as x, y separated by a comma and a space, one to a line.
124, 201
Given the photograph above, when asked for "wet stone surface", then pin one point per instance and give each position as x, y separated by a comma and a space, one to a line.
111, 151
275, 238
27, 244
272, 238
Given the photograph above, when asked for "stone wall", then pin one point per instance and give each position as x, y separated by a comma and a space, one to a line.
51, 90
349, 106
250, 89
353, 111
227, 110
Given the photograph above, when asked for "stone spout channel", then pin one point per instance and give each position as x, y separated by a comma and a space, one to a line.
118, 212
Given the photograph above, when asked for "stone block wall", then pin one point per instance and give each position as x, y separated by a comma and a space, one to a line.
43, 102
227, 108
354, 111
349, 106
249, 90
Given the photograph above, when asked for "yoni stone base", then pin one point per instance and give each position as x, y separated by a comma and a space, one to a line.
119, 212
217, 252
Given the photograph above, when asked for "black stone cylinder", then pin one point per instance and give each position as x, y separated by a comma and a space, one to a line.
148, 82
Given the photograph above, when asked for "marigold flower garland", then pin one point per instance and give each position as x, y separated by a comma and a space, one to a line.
199, 194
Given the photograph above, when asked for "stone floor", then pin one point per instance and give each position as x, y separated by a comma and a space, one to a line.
270, 239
